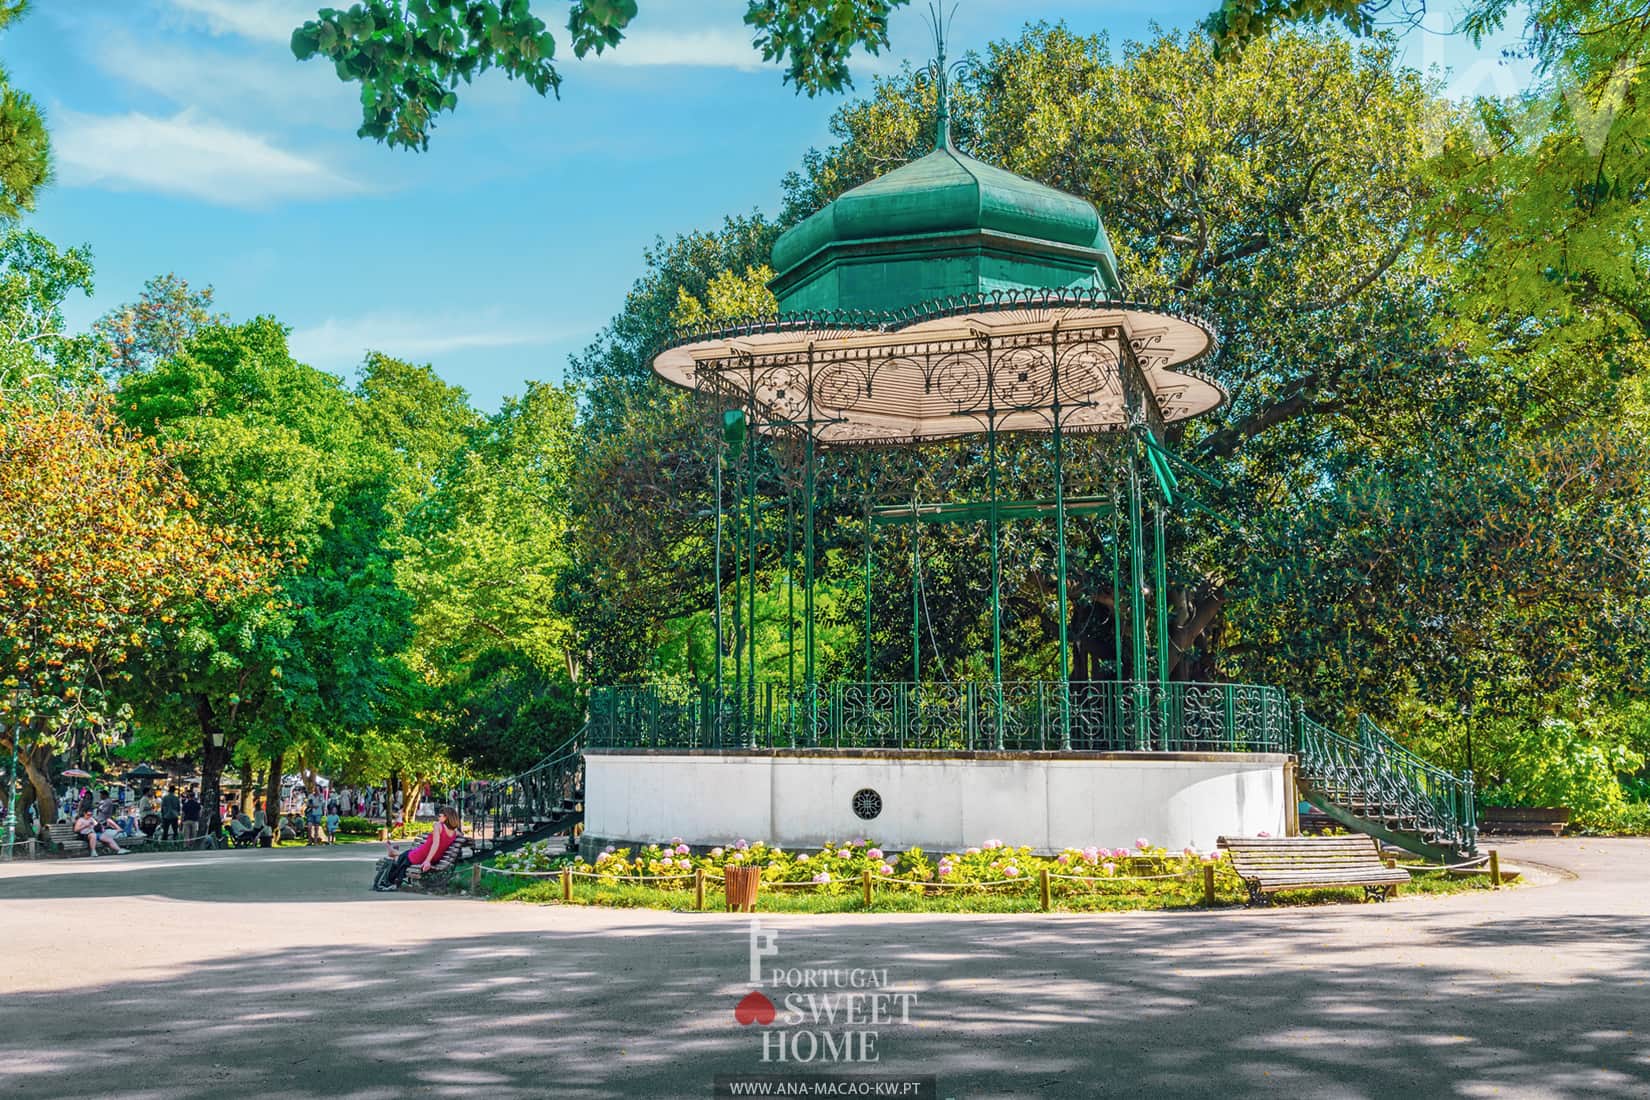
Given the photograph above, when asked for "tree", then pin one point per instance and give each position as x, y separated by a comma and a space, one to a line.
135, 336
419, 423
1274, 191
411, 55
102, 543
36, 278
273, 447
25, 149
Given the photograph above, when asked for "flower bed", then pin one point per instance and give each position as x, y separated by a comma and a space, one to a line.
991, 877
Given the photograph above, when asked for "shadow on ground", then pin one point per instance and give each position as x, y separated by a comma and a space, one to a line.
1240, 1005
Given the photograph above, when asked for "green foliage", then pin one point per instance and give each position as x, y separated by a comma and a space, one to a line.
36, 278
1237, 22
136, 336
819, 36
503, 713
25, 148
410, 56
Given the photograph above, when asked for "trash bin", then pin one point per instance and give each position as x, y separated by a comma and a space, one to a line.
742, 884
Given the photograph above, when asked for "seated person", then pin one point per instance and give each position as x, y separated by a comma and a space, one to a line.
87, 825
425, 853
241, 828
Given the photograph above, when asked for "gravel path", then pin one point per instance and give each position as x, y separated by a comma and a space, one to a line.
277, 974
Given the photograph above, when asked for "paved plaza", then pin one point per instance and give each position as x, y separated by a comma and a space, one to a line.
277, 974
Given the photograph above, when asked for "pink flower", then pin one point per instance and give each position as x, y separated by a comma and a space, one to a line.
685, 864
973, 851
874, 853
1064, 857
945, 868
1011, 871
681, 849
676, 840
803, 858
993, 844
1120, 853
716, 853
607, 851
823, 877
740, 844
886, 869
1263, 832
1091, 854
1111, 868
1141, 843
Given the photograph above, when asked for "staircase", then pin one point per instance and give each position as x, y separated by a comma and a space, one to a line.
1374, 785
544, 801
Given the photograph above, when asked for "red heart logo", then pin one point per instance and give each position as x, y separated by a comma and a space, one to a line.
754, 1008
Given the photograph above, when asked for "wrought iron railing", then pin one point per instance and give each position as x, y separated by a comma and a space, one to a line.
1375, 779
1015, 716
505, 810
1370, 776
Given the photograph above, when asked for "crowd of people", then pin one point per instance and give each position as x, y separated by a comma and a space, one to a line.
106, 818
107, 815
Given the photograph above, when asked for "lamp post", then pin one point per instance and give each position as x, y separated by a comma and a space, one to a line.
11, 777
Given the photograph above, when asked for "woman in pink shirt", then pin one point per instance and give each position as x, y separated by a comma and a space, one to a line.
423, 854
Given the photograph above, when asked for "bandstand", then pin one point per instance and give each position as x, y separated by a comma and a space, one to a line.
946, 303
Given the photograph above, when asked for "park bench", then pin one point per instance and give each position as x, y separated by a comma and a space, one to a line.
440, 872
64, 839
1269, 864
1524, 820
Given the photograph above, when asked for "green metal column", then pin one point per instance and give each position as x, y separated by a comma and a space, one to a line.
996, 584
1161, 587
868, 537
916, 610
716, 718
790, 600
1137, 607
750, 504
1060, 542
808, 569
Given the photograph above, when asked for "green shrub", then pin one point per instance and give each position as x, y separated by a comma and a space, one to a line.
1624, 819
360, 826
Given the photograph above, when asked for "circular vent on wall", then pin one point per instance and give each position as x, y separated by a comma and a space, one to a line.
867, 803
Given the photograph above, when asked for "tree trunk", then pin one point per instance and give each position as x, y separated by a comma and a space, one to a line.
214, 758
37, 765
411, 791
248, 794
272, 786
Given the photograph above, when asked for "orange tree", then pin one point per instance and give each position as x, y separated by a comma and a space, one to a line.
100, 544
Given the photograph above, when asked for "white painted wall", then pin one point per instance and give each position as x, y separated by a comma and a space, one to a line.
940, 804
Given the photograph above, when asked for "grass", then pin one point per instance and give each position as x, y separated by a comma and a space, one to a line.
847, 897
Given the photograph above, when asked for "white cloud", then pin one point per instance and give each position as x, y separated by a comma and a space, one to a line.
339, 344
728, 48
229, 82
190, 155
261, 20
716, 48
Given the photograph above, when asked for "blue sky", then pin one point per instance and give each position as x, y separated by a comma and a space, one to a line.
187, 139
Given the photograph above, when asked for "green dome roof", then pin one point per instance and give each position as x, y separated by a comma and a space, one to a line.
944, 224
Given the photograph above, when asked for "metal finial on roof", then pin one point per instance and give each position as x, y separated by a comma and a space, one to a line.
942, 122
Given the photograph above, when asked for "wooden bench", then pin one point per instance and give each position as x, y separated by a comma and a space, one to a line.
1269, 864
63, 838
1524, 820
440, 872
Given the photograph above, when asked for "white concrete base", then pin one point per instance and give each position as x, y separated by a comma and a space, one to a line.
1048, 801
